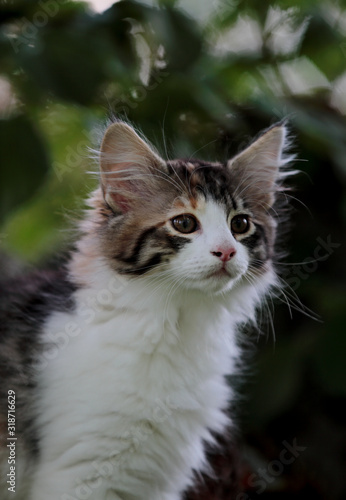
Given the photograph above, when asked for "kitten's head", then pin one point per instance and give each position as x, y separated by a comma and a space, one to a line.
201, 225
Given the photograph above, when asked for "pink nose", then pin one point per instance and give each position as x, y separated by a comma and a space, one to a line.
224, 253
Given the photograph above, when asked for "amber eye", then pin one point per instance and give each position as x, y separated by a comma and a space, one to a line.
240, 224
185, 223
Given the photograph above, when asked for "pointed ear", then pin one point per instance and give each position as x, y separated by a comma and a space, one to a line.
127, 165
256, 169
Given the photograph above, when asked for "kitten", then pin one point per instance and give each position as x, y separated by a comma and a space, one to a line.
114, 365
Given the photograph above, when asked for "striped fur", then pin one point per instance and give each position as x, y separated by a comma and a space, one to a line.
119, 359
137, 240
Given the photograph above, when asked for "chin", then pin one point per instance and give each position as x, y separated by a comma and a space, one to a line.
223, 286
214, 285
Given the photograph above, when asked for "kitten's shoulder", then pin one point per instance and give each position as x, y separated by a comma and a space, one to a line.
26, 300
36, 293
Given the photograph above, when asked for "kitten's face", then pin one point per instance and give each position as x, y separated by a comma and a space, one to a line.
197, 225
213, 256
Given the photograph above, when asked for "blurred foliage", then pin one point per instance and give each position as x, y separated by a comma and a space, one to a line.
200, 79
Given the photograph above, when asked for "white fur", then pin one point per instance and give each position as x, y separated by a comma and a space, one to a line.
196, 262
135, 379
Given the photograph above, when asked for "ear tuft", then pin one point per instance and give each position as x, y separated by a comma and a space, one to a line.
256, 169
127, 163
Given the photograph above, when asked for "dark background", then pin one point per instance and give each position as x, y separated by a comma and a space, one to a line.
201, 78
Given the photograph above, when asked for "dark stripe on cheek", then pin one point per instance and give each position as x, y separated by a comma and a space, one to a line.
176, 242
145, 267
255, 238
251, 241
257, 257
141, 240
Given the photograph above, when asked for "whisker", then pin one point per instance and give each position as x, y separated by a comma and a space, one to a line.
200, 149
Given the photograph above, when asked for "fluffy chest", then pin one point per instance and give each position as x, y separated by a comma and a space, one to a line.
144, 352
127, 387
127, 365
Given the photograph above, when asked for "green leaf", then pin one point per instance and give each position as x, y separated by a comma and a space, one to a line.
179, 35
64, 65
23, 162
